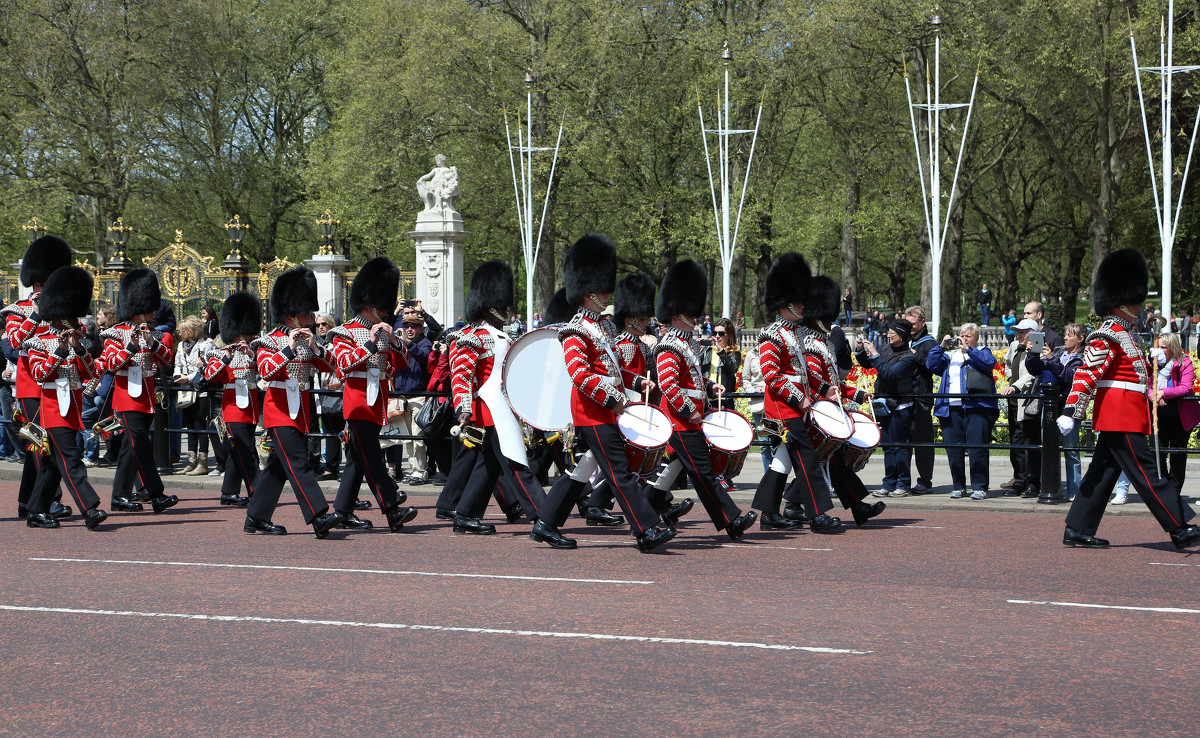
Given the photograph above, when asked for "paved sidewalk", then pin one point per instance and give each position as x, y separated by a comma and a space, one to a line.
746, 484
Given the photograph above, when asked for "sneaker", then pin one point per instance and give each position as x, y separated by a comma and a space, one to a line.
920, 488
979, 495
1120, 499
879, 492
89, 463
215, 473
898, 493
956, 494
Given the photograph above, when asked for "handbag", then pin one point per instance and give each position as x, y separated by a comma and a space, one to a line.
979, 383
185, 398
435, 416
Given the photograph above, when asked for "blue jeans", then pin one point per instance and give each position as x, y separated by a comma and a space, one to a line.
849, 321
1070, 446
88, 440
967, 426
896, 459
985, 313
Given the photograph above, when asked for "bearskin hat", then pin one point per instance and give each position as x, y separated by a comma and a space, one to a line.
139, 294
66, 293
491, 287
1122, 279
41, 259
294, 293
376, 285
591, 266
787, 281
682, 291
241, 315
558, 310
634, 296
823, 301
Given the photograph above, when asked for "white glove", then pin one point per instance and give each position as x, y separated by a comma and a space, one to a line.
1066, 424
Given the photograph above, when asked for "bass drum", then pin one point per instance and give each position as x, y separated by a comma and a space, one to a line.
535, 380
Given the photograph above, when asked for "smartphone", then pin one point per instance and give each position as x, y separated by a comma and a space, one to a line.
1038, 341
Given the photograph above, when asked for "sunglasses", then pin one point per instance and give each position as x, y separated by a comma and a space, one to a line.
321, 324
718, 333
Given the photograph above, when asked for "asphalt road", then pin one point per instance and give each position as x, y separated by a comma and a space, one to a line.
925, 622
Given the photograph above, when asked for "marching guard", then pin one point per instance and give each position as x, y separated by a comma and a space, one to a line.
367, 353
285, 358
233, 368
21, 320
60, 362
1116, 374
134, 351
686, 392
821, 309
787, 397
597, 392
477, 359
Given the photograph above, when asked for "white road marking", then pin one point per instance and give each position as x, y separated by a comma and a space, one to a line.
346, 571
697, 544
1180, 610
903, 527
443, 628
1163, 563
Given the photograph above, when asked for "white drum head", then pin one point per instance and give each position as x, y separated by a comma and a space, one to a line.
832, 419
644, 425
535, 380
727, 430
866, 432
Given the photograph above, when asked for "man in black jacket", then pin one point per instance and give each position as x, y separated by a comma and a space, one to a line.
922, 419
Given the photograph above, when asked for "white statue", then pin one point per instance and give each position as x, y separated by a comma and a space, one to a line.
439, 188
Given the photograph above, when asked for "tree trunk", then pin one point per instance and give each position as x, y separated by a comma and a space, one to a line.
850, 238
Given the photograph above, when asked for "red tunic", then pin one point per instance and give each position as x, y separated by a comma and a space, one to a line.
48, 363
118, 358
1112, 356
226, 370
589, 349
279, 365
635, 359
684, 388
822, 368
781, 360
355, 355
471, 363
18, 327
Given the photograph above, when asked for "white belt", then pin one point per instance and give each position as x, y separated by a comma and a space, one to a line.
1117, 384
293, 389
63, 388
241, 392
134, 385
372, 377
23, 354
694, 394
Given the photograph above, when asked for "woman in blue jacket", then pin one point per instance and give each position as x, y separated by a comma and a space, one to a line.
966, 370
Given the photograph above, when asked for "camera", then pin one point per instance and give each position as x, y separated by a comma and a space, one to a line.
955, 342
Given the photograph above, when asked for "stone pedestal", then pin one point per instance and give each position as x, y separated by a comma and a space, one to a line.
329, 269
439, 237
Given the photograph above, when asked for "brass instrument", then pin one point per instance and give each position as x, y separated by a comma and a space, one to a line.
218, 424
776, 428
470, 435
108, 427
34, 435
160, 397
37, 438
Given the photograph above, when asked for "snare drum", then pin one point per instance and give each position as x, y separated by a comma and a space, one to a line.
863, 442
646, 431
729, 436
829, 428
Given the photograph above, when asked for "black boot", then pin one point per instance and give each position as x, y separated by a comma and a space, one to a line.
775, 521
398, 516
863, 512
600, 516
739, 525
546, 533
654, 537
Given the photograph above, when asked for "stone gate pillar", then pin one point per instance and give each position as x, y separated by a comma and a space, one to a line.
439, 237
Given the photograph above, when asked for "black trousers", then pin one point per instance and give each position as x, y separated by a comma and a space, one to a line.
289, 463
461, 465
331, 423
242, 465
136, 457
34, 461
195, 417
365, 461
66, 462
1172, 435
1118, 452
606, 445
921, 431
1028, 463
690, 448
846, 485
809, 488
492, 467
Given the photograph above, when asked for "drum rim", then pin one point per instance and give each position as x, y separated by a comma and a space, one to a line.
504, 383
654, 409
845, 412
739, 414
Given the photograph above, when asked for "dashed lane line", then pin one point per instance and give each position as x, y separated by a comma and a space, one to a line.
443, 628
1176, 610
344, 571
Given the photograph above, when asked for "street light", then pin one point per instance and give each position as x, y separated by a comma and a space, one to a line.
118, 236
235, 264
328, 225
236, 230
34, 230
